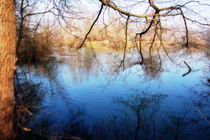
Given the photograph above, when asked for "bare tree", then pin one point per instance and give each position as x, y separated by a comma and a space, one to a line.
25, 9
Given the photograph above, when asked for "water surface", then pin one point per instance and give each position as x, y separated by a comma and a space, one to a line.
87, 95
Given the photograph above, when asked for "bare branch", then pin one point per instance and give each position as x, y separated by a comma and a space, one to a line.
126, 42
136, 15
198, 22
186, 28
99, 13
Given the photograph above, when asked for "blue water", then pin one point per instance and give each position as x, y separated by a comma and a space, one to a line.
90, 98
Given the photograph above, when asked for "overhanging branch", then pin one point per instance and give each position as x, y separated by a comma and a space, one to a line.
106, 3
99, 13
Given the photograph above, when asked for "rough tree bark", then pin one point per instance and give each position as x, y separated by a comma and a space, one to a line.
7, 66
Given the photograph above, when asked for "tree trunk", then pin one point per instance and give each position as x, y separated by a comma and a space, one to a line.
7, 66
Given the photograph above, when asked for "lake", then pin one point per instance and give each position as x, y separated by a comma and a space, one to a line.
88, 94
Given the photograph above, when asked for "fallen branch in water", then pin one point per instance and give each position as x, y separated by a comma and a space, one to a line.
189, 69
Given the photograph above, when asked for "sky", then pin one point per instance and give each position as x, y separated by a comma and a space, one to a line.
89, 8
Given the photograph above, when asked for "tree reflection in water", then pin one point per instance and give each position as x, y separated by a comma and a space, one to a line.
152, 68
138, 115
136, 120
81, 64
143, 118
35, 121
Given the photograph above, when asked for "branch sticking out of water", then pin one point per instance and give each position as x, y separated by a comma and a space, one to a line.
189, 69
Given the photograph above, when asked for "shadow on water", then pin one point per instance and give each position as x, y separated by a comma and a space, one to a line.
65, 98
